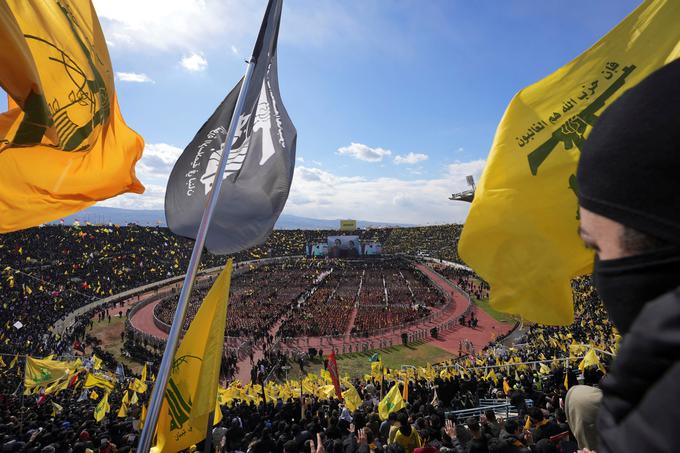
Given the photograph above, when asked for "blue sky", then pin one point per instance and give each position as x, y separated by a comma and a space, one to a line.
395, 101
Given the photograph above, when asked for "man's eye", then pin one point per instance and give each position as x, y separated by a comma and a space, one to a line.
591, 246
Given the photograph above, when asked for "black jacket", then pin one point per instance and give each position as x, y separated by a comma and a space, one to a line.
641, 394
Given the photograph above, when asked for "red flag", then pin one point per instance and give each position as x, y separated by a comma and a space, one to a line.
333, 370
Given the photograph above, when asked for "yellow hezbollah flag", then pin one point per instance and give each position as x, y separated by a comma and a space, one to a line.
351, 398
41, 372
100, 381
521, 232
102, 408
191, 393
64, 145
392, 402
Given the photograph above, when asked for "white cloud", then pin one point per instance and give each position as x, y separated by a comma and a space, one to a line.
157, 162
300, 159
176, 24
234, 50
134, 77
410, 158
364, 152
318, 193
194, 62
322, 194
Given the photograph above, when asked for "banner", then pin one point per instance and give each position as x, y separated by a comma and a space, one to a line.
63, 142
191, 393
260, 164
521, 233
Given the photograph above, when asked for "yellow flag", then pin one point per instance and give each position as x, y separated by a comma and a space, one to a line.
137, 385
351, 398
191, 393
543, 369
392, 402
56, 408
134, 399
94, 395
491, 375
13, 362
142, 417
102, 408
506, 387
41, 372
143, 378
66, 145
98, 380
2, 363
530, 257
96, 362
124, 404
590, 359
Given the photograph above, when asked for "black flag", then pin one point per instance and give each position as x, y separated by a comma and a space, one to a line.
260, 163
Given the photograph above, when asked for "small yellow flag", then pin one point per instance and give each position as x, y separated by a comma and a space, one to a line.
392, 402
590, 359
124, 404
98, 380
102, 408
65, 144
530, 257
191, 393
351, 398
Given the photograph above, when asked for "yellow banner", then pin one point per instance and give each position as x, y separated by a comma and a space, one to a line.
191, 393
42, 372
65, 146
521, 232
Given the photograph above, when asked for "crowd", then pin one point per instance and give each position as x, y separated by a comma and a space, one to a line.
286, 423
106, 265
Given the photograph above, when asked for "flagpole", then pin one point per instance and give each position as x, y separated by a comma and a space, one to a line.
155, 403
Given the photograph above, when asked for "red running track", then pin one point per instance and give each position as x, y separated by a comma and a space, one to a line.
488, 328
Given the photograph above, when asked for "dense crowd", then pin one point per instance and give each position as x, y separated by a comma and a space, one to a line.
96, 261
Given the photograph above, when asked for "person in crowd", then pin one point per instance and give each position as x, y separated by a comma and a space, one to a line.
630, 216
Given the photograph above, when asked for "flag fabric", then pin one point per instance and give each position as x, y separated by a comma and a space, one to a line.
260, 164
2, 363
94, 395
333, 370
590, 359
56, 408
102, 408
392, 402
530, 257
506, 386
98, 380
191, 393
42, 372
405, 391
64, 144
351, 398
566, 379
491, 375
375, 357
13, 362
124, 404
143, 377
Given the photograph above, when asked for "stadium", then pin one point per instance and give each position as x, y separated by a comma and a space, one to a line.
110, 291
188, 263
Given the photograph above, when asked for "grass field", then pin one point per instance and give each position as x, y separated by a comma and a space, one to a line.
357, 364
495, 314
109, 334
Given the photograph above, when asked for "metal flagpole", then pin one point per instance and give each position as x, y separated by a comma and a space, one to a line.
156, 401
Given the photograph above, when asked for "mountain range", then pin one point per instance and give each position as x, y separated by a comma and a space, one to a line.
151, 217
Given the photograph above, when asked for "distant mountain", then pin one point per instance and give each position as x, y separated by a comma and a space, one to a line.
153, 217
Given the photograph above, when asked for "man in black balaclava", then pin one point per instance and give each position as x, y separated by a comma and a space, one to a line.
629, 193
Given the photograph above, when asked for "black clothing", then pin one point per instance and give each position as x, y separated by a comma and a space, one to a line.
641, 402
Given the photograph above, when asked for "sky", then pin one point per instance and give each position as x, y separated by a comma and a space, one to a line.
394, 101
